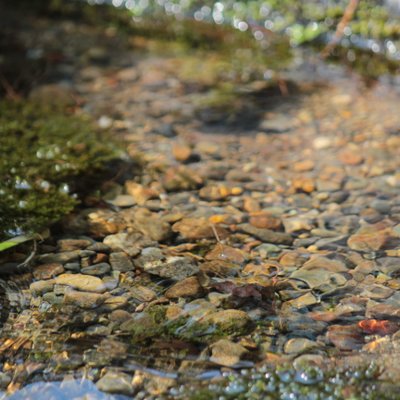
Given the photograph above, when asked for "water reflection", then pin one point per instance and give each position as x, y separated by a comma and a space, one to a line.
68, 389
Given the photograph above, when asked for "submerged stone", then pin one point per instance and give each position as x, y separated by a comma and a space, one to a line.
116, 382
81, 282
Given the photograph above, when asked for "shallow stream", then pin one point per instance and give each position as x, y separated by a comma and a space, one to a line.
242, 243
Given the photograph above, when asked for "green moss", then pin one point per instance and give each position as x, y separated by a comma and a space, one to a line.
44, 152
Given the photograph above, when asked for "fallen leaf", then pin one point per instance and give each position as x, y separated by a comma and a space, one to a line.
378, 327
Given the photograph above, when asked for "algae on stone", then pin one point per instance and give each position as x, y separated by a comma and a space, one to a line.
44, 152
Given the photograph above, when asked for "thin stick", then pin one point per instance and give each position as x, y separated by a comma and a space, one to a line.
345, 20
10, 91
29, 258
215, 233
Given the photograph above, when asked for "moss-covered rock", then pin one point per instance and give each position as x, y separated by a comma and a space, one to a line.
44, 152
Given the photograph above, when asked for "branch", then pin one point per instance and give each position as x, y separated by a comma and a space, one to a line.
345, 20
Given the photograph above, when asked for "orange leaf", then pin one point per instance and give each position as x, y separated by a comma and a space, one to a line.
376, 327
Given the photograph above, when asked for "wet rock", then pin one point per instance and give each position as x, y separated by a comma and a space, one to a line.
382, 311
81, 282
266, 235
181, 178
75, 266
197, 228
333, 265
59, 258
227, 353
116, 382
123, 200
226, 253
5, 379
120, 261
120, 316
229, 321
252, 206
86, 300
369, 238
351, 156
376, 292
318, 277
303, 166
140, 193
127, 242
53, 298
303, 184
214, 193
302, 325
299, 345
176, 268
305, 300
95, 222
142, 293
340, 311
152, 225
189, 287
182, 152
219, 268
173, 312
323, 142
97, 269
296, 224
40, 287
73, 244
292, 259
264, 220
345, 337
267, 250
99, 247
113, 303
149, 257
390, 266
111, 282
47, 271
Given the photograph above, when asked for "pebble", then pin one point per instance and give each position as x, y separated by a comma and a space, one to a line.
229, 321
116, 382
47, 271
86, 300
189, 287
264, 220
59, 258
345, 337
123, 200
181, 178
226, 253
142, 293
40, 287
120, 261
369, 239
299, 345
81, 282
152, 225
182, 152
97, 269
197, 228
227, 353
176, 268
266, 235
73, 244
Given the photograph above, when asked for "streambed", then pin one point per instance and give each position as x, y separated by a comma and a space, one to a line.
254, 251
